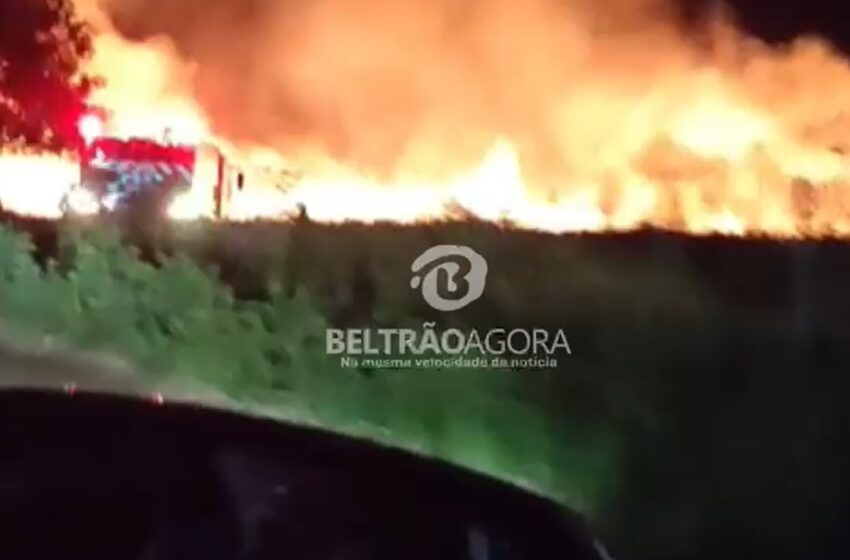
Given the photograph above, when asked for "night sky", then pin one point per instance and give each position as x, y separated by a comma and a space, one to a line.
781, 20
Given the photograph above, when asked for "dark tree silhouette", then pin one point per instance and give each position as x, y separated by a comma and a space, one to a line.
42, 88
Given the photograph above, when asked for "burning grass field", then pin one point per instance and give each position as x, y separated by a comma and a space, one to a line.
700, 413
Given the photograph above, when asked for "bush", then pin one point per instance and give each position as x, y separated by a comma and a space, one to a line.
182, 327
691, 419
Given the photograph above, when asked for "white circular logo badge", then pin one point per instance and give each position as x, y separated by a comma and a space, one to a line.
450, 276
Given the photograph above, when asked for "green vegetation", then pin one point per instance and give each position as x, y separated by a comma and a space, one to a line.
682, 423
181, 327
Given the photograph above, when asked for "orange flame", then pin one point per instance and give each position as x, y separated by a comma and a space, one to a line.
34, 184
739, 138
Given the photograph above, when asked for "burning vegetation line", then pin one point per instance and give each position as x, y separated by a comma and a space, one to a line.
557, 116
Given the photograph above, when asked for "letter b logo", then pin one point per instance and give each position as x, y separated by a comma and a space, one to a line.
451, 276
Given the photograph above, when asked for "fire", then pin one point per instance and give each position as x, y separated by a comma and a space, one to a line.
145, 102
649, 127
34, 184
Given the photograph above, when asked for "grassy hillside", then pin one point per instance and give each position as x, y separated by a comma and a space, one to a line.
701, 413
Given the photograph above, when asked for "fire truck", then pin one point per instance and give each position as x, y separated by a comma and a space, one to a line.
143, 176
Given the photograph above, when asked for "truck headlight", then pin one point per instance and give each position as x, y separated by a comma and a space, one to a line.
83, 201
110, 201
